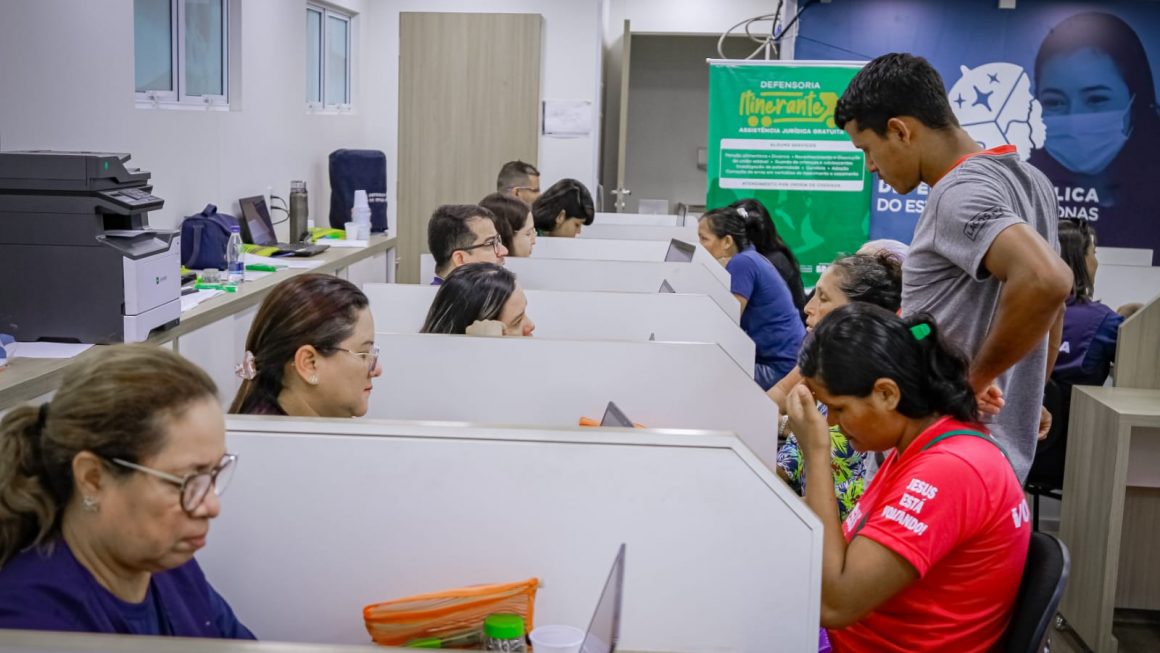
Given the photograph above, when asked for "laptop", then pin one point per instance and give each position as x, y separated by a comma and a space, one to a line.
614, 416
680, 251
258, 229
604, 630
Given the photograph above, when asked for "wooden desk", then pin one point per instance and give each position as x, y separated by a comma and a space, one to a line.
1111, 509
25, 379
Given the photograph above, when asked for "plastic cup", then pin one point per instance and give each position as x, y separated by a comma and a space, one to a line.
556, 639
351, 230
364, 231
360, 199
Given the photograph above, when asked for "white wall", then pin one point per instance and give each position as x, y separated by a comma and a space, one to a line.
68, 84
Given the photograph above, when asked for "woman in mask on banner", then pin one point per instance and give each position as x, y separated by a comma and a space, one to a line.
1094, 82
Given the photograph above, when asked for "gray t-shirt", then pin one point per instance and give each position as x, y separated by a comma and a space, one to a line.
944, 275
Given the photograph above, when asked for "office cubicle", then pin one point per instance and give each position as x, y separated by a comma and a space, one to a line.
602, 249
574, 315
623, 276
687, 233
642, 219
541, 382
326, 516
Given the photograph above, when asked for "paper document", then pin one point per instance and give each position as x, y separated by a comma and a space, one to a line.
193, 299
44, 349
280, 261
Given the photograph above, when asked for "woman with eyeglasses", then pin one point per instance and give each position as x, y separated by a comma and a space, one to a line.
480, 299
106, 493
310, 351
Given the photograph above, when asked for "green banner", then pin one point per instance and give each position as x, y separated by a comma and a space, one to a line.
772, 137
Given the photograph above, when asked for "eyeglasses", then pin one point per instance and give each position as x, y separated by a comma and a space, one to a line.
494, 243
371, 358
516, 189
194, 487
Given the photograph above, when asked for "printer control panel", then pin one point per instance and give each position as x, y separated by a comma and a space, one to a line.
134, 199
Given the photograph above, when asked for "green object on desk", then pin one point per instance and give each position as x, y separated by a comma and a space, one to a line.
467, 639
262, 267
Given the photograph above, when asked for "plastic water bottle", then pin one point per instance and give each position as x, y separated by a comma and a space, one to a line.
235, 265
300, 224
360, 214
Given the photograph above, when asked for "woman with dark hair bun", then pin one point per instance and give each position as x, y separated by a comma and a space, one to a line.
480, 299
564, 209
310, 351
769, 244
768, 315
931, 557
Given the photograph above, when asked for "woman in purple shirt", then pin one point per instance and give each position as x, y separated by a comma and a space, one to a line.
106, 493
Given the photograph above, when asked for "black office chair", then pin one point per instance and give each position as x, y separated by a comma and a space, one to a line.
1044, 578
1046, 475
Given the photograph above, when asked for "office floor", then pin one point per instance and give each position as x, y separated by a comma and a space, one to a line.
1135, 633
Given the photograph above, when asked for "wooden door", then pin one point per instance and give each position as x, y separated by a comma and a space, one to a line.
469, 97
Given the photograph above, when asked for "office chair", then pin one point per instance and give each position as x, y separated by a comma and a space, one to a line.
1040, 591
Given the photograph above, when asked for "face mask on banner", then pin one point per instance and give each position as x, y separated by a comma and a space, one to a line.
1087, 142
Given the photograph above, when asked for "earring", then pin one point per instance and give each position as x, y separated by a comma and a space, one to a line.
90, 504
313, 380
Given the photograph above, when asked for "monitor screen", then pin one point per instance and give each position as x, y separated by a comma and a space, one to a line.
258, 224
604, 632
680, 251
613, 416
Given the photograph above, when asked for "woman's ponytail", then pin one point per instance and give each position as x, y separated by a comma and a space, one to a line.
947, 389
28, 508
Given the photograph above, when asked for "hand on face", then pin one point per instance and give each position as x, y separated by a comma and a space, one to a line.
489, 328
806, 421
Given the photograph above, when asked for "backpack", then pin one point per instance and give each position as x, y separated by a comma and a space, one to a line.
203, 239
352, 170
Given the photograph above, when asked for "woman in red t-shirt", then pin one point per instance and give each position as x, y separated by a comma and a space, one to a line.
931, 557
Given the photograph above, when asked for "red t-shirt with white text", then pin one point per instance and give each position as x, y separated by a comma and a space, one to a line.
954, 510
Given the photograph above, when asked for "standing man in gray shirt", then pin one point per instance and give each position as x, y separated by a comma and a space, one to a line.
983, 261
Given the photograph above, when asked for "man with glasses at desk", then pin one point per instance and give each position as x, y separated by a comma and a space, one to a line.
463, 233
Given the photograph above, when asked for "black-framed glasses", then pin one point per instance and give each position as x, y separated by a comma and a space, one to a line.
371, 358
194, 487
516, 189
495, 243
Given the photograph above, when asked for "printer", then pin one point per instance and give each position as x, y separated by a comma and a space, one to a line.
78, 260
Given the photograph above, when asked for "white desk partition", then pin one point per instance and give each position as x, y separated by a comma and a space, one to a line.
1117, 285
623, 276
1117, 255
326, 516
638, 219
687, 233
565, 315
624, 250
541, 382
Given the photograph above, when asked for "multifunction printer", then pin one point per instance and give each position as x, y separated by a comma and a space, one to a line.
78, 260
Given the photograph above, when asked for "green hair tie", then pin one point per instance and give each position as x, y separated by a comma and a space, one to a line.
920, 330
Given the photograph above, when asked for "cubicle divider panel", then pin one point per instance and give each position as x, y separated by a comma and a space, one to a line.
326, 516
639, 219
624, 250
623, 276
579, 315
540, 382
687, 233
1138, 349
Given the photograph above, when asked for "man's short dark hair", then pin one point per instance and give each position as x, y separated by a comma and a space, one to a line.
893, 85
515, 174
448, 230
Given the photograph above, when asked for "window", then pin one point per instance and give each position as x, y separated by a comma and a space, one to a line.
327, 58
181, 52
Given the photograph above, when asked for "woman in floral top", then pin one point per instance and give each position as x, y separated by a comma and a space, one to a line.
873, 279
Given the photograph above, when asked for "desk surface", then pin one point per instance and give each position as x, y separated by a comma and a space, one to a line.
1139, 405
27, 378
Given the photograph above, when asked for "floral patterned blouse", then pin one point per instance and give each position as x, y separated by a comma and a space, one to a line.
850, 469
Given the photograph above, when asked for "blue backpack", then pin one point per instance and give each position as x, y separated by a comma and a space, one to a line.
203, 239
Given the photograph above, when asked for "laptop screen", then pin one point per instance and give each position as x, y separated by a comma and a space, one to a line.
604, 632
614, 416
679, 251
258, 222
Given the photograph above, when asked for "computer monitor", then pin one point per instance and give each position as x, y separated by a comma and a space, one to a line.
257, 228
666, 286
604, 631
680, 251
614, 416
